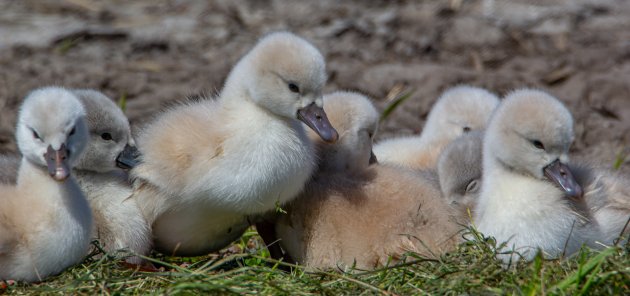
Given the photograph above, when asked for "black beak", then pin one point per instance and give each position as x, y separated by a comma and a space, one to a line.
57, 162
128, 158
560, 174
373, 159
316, 119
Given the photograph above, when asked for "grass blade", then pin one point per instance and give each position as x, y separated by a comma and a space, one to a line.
122, 102
585, 269
395, 104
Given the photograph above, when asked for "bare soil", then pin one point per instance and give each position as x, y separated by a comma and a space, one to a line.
156, 52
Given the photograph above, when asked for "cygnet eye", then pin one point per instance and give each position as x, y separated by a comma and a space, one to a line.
36, 135
466, 129
538, 144
106, 136
74, 129
473, 186
293, 87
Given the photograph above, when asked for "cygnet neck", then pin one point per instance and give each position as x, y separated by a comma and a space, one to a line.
235, 87
30, 173
39, 183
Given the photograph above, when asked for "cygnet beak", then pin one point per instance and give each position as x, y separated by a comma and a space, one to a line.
560, 174
128, 158
57, 162
373, 159
316, 119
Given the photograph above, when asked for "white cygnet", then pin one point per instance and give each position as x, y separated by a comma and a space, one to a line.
457, 111
529, 199
45, 220
207, 165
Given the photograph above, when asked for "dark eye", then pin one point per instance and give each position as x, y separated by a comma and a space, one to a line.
293, 87
74, 129
106, 136
473, 186
370, 134
35, 134
466, 129
538, 144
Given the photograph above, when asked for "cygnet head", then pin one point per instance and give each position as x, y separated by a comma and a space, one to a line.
109, 131
51, 130
459, 168
356, 120
459, 110
285, 74
531, 133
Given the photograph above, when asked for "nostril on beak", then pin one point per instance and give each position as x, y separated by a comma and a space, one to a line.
563, 172
65, 153
128, 158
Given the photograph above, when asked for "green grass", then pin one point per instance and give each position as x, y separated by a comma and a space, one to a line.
471, 269
66, 44
122, 102
620, 158
400, 97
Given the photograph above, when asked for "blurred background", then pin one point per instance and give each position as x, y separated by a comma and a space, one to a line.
155, 52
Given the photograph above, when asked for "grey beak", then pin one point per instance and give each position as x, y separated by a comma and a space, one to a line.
560, 174
316, 119
128, 158
373, 159
57, 162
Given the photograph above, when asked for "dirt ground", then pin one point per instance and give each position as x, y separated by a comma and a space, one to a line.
153, 52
